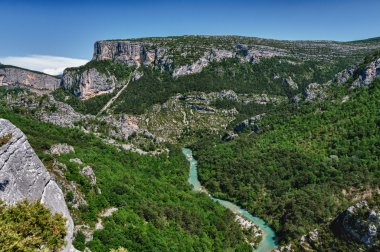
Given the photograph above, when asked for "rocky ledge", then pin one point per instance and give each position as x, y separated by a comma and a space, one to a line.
23, 176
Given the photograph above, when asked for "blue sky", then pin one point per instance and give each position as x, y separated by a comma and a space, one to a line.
69, 28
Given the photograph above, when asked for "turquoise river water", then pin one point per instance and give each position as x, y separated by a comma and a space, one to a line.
268, 242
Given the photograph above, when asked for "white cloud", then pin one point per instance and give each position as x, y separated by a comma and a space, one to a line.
53, 65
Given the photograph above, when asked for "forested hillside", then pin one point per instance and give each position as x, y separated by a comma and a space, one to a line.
297, 168
156, 208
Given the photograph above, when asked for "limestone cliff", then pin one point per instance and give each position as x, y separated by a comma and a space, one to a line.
137, 53
34, 81
88, 83
130, 53
23, 176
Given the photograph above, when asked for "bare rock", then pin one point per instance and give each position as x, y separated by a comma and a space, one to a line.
89, 173
53, 199
343, 76
22, 174
137, 75
315, 91
60, 149
76, 160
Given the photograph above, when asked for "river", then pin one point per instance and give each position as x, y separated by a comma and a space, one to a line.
268, 242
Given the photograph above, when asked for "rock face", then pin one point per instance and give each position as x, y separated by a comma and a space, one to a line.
130, 53
37, 82
345, 75
315, 91
21, 172
361, 222
88, 83
367, 75
23, 176
52, 197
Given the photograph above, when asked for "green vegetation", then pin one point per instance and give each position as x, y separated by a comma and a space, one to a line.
156, 87
293, 172
30, 227
91, 106
157, 211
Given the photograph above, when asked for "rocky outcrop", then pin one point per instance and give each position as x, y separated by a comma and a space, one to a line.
315, 91
89, 173
361, 222
23, 176
345, 75
368, 74
59, 149
248, 122
362, 76
88, 83
130, 53
34, 81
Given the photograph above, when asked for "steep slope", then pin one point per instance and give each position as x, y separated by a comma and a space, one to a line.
23, 176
